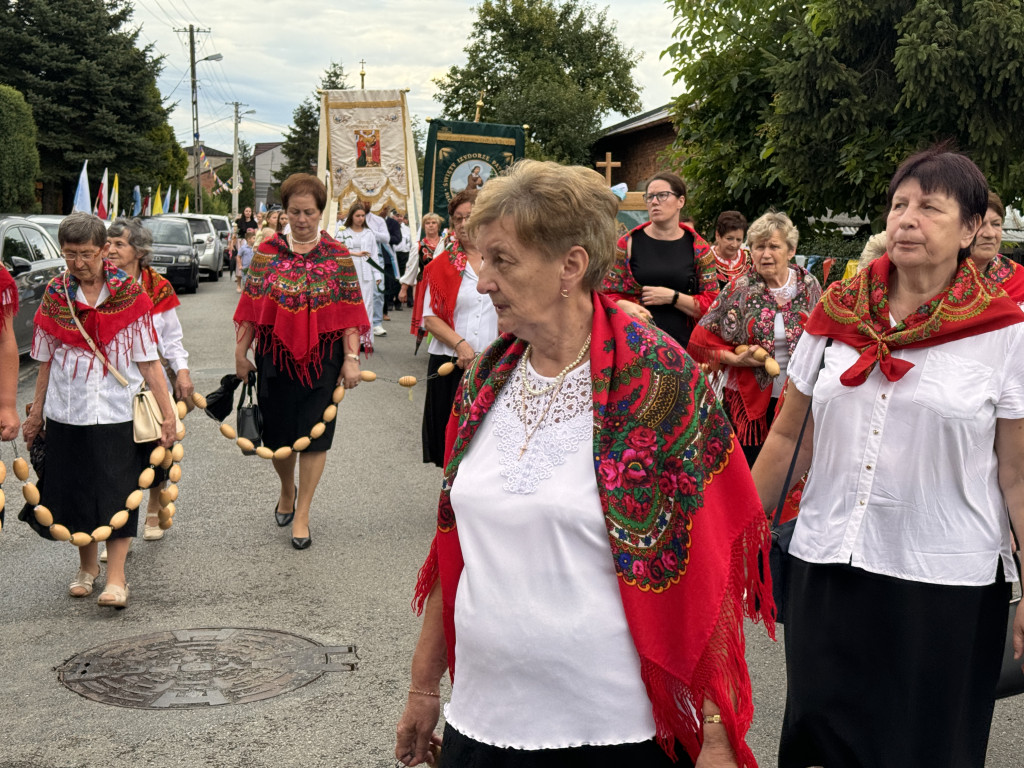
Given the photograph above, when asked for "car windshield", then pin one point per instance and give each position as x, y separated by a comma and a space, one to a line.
199, 227
168, 232
220, 225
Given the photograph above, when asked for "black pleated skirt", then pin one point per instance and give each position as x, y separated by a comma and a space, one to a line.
437, 407
87, 476
460, 751
888, 673
289, 407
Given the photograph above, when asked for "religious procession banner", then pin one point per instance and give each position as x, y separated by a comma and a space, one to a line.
367, 147
464, 156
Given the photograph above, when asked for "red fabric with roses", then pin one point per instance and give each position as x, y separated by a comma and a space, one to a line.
1008, 274
294, 302
685, 525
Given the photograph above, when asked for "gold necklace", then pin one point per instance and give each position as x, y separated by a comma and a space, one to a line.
556, 385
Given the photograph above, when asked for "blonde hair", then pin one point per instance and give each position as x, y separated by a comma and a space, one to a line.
873, 248
553, 207
767, 224
435, 217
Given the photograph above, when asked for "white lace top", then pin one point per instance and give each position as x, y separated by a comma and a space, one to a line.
544, 657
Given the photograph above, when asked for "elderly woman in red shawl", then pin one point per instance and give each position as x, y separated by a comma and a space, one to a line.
985, 252
668, 271
10, 422
763, 311
597, 541
85, 394
302, 315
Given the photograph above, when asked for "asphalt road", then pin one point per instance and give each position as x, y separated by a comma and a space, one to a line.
226, 564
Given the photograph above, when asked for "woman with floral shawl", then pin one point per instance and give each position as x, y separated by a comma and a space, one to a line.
1009, 275
765, 309
597, 538
303, 316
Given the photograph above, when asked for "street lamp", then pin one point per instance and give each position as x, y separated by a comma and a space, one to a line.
195, 111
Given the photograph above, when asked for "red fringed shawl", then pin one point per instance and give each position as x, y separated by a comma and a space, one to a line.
128, 303
744, 313
443, 275
619, 283
856, 312
1008, 274
8, 297
685, 526
160, 291
294, 302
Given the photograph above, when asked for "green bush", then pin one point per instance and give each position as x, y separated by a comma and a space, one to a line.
19, 159
831, 246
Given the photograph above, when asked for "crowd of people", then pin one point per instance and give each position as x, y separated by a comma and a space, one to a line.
621, 418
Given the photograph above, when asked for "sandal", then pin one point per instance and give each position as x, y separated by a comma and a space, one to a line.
83, 583
114, 596
152, 532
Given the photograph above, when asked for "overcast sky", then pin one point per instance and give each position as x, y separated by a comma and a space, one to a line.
274, 54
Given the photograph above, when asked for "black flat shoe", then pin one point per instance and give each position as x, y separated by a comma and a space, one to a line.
286, 519
302, 543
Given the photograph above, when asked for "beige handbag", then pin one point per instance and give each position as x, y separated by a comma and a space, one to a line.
147, 418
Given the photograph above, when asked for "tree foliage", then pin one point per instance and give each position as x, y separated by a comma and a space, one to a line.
92, 90
19, 160
555, 65
302, 141
810, 106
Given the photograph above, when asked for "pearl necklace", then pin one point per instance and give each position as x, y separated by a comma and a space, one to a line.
556, 385
305, 242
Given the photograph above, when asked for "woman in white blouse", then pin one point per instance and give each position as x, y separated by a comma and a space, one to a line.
91, 462
131, 245
362, 246
900, 560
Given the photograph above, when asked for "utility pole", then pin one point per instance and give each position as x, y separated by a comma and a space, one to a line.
195, 107
234, 160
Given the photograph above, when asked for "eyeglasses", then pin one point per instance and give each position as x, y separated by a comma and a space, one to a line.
460, 219
661, 197
80, 258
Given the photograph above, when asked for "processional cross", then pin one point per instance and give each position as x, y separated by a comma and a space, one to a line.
607, 164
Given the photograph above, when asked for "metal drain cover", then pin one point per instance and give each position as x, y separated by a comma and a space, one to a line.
190, 668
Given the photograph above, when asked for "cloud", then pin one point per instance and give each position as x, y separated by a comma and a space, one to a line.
275, 53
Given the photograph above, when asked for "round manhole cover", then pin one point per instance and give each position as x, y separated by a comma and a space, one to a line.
201, 667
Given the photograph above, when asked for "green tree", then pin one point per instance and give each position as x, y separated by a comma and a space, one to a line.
302, 141
810, 106
555, 65
19, 160
92, 90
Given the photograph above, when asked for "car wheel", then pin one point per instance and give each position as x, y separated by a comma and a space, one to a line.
193, 285
214, 275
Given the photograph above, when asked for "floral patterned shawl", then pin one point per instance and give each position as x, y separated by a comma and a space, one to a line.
443, 275
744, 313
8, 297
160, 291
294, 302
1008, 274
856, 312
685, 526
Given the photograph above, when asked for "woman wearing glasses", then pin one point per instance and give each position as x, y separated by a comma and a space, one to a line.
668, 272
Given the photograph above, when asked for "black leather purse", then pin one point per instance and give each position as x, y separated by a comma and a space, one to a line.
248, 419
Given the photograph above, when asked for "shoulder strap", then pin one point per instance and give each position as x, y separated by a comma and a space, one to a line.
92, 344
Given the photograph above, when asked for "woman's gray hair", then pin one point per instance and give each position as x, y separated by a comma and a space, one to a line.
138, 236
82, 228
873, 249
773, 221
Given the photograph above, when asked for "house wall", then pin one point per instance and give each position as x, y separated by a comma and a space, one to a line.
638, 152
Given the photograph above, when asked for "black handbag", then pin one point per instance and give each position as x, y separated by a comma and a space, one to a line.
1011, 677
249, 422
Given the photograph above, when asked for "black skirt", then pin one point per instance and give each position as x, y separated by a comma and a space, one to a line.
291, 408
437, 408
888, 673
88, 473
459, 751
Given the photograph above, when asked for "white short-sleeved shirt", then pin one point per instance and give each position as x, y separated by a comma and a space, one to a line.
475, 318
903, 481
78, 392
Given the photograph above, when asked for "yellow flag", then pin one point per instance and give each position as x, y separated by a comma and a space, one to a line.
158, 202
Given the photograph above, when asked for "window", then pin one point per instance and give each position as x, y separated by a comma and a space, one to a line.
168, 231
37, 243
15, 245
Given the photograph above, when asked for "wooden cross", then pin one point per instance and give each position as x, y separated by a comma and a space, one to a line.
607, 165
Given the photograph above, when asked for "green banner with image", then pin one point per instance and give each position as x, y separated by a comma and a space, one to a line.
465, 155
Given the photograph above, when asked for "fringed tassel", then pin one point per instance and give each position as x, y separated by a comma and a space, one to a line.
428, 576
284, 360
748, 431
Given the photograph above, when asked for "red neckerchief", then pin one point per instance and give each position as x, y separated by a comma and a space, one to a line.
687, 575
1008, 274
443, 274
730, 270
856, 312
294, 302
160, 291
8, 297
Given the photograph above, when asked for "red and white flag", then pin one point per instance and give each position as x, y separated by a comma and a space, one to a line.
101, 197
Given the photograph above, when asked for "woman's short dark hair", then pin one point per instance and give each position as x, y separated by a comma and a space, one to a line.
465, 196
139, 237
81, 229
674, 181
730, 220
304, 184
358, 205
995, 204
937, 169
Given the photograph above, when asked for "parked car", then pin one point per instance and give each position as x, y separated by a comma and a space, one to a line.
175, 254
223, 226
205, 237
33, 259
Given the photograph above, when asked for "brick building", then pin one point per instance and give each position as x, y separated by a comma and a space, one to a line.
636, 143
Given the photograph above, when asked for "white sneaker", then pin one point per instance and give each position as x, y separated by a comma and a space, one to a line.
378, 330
